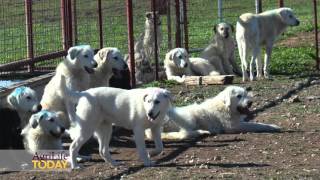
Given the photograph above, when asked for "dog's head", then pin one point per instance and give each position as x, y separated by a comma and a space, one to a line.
156, 102
111, 58
288, 17
150, 19
179, 56
237, 99
223, 29
82, 57
48, 122
25, 99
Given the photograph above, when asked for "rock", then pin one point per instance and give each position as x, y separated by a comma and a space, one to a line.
294, 99
217, 158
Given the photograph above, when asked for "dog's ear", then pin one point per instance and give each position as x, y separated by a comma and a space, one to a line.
144, 97
215, 28
34, 120
12, 100
149, 15
167, 94
73, 52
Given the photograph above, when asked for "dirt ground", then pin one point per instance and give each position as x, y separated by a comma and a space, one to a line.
290, 102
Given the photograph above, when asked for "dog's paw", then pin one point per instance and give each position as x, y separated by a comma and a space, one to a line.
83, 158
149, 163
76, 166
153, 153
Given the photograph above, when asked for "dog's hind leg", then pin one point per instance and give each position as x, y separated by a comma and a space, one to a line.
184, 134
103, 134
156, 136
258, 64
141, 146
243, 57
245, 127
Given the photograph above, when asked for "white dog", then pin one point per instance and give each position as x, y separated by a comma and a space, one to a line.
110, 63
136, 109
25, 101
221, 114
178, 65
43, 132
220, 51
76, 68
253, 30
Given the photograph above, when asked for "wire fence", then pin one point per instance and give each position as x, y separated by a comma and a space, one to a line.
34, 35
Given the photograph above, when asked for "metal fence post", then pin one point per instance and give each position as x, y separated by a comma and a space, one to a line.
316, 32
169, 25
281, 3
185, 25
100, 25
29, 34
153, 2
178, 28
130, 43
258, 6
75, 23
220, 11
69, 15
64, 24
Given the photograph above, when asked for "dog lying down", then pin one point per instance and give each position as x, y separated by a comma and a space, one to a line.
223, 113
98, 108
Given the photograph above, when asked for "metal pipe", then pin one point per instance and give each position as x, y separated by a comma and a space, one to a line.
169, 25
100, 25
4, 67
258, 4
64, 24
281, 3
75, 22
155, 38
69, 15
131, 43
315, 10
29, 34
178, 29
185, 24
220, 11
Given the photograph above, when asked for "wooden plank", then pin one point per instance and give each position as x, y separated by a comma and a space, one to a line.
209, 80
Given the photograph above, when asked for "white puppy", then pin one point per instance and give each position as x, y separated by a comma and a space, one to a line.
110, 63
220, 51
254, 30
43, 132
76, 68
136, 109
25, 101
178, 65
223, 113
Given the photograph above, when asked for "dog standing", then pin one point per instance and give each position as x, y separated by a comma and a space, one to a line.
220, 51
110, 63
178, 65
99, 108
76, 68
223, 113
254, 30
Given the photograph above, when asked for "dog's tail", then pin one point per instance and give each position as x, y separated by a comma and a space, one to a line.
183, 134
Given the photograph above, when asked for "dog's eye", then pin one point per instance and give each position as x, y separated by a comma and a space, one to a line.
156, 102
28, 98
180, 57
51, 120
116, 58
149, 101
222, 29
86, 56
239, 96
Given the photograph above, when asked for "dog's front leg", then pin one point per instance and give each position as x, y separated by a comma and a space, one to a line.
141, 146
156, 135
267, 59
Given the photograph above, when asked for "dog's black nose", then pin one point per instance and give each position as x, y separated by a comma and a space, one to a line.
150, 114
249, 103
39, 107
298, 22
62, 129
125, 66
94, 64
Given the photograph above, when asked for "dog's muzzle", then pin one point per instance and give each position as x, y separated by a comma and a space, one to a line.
152, 117
57, 135
245, 110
